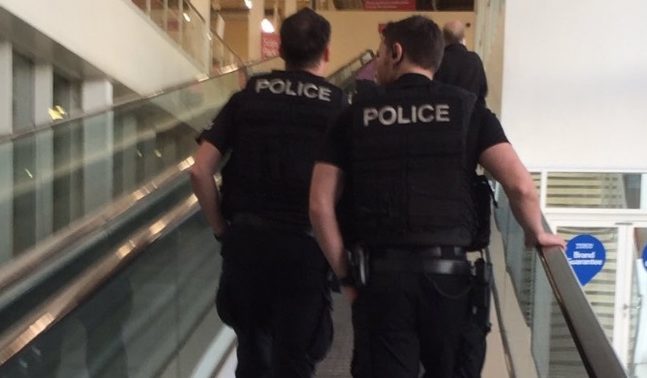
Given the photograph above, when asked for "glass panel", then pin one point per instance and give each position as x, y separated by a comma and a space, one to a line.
24, 195
68, 174
66, 96
222, 56
79, 167
600, 291
158, 13
637, 361
195, 34
150, 320
594, 190
184, 25
22, 93
540, 343
173, 20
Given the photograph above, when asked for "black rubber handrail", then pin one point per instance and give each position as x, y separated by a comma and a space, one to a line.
598, 356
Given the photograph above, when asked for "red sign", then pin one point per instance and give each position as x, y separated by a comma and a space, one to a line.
388, 5
270, 45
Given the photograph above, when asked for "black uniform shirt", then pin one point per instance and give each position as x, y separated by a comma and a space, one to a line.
220, 130
464, 69
276, 186
219, 133
484, 131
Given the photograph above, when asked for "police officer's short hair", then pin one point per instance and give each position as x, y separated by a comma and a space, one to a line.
421, 40
304, 37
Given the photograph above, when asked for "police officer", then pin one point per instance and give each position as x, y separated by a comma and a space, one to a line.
460, 66
405, 155
273, 290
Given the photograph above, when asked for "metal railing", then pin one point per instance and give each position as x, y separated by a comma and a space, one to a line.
182, 22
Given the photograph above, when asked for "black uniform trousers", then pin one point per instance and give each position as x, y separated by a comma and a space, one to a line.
404, 318
273, 292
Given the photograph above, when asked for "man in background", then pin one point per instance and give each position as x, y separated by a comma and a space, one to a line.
461, 67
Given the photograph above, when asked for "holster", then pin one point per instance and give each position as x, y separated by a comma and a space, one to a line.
358, 261
482, 294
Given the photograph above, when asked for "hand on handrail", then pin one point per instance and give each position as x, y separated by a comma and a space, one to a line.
544, 239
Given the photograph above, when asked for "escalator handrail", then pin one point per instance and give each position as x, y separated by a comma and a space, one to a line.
598, 356
32, 260
69, 298
81, 288
359, 58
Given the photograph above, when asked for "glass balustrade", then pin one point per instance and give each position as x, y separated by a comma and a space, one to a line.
58, 176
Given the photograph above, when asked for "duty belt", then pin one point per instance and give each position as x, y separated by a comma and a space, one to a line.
433, 252
437, 260
255, 221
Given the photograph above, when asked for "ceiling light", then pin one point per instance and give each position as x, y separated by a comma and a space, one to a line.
248, 4
186, 17
266, 26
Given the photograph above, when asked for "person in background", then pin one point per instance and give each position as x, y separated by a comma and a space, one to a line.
461, 67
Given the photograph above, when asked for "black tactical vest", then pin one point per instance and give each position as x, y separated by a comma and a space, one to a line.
410, 177
278, 128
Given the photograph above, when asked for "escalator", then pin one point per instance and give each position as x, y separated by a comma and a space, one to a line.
124, 283
127, 289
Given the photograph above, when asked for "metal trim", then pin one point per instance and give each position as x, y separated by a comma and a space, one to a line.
66, 300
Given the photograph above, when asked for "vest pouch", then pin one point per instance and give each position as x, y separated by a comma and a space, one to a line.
482, 195
379, 208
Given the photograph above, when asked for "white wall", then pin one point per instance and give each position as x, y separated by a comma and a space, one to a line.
114, 36
575, 83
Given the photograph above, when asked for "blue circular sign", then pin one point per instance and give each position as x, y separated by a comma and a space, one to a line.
645, 257
587, 255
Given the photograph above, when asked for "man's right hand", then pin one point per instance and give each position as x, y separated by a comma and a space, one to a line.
350, 292
220, 232
545, 239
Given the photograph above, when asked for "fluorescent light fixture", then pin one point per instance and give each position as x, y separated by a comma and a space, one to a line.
186, 17
248, 4
266, 26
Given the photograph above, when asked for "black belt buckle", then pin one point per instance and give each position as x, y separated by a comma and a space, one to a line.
444, 252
